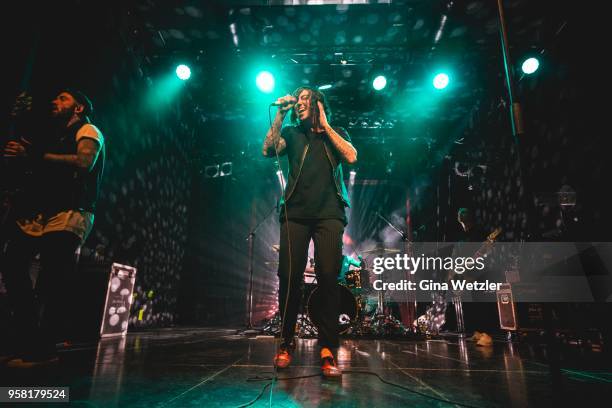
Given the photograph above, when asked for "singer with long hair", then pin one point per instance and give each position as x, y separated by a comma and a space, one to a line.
312, 207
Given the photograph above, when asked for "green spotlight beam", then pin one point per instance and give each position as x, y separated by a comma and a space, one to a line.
163, 91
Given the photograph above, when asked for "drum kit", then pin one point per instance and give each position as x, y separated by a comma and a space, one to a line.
363, 311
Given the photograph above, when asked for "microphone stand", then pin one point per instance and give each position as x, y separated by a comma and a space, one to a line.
249, 329
389, 223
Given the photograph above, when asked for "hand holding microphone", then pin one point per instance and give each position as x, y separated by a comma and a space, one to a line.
285, 103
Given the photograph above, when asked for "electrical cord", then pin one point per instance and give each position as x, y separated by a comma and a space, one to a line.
271, 380
409, 389
381, 379
248, 404
284, 314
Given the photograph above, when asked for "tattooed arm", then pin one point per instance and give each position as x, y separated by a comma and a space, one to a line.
273, 138
87, 153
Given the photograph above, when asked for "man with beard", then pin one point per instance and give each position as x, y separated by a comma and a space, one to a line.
69, 168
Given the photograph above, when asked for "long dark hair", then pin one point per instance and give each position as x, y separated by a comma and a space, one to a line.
315, 96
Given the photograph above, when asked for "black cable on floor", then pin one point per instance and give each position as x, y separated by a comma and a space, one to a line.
408, 389
248, 404
273, 379
258, 378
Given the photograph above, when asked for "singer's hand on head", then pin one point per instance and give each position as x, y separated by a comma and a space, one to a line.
322, 116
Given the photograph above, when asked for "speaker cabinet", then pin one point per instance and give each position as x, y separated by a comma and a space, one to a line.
506, 308
118, 301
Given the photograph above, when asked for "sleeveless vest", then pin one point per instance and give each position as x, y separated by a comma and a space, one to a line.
65, 186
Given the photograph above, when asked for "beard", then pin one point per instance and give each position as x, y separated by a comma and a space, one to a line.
62, 115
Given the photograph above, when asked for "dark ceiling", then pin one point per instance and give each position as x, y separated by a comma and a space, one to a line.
126, 46
227, 42
407, 41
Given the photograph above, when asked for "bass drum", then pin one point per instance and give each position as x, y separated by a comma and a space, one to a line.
348, 308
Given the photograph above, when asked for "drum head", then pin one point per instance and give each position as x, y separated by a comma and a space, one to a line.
348, 308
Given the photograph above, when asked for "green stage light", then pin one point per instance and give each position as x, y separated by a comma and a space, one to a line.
265, 82
440, 81
183, 72
324, 87
379, 82
530, 65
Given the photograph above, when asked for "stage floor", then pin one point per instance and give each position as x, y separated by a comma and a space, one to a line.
210, 367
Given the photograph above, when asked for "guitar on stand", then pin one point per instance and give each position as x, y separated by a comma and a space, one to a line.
434, 317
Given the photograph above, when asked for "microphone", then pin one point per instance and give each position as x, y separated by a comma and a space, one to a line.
284, 103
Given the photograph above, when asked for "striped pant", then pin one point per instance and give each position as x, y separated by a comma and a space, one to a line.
327, 237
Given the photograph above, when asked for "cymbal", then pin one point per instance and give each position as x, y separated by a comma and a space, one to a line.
379, 250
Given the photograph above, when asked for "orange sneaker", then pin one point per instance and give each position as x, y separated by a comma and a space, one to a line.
282, 359
328, 365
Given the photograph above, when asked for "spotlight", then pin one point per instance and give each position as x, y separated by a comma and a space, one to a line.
265, 82
440, 81
183, 72
379, 82
324, 87
530, 65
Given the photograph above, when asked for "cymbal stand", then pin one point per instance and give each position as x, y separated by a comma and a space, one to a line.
458, 304
382, 322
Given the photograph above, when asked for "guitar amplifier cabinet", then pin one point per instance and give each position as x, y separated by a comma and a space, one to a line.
506, 308
515, 315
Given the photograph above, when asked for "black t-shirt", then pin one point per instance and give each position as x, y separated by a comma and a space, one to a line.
315, 195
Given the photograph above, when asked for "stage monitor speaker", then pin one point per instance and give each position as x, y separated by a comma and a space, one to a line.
506, 308
116, 312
